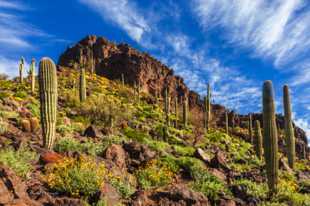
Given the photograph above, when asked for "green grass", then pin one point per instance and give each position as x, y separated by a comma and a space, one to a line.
19, 161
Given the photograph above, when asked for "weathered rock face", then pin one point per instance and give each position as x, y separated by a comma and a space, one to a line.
110, 60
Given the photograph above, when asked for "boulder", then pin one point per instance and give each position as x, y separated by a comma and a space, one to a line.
92, 131
176, 195
138, 154
49, 157
219, 161
199, 153
117, 155
12, 190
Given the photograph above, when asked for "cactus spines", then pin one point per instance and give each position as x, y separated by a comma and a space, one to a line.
226, 123
176, 113
82, 85
21, 70
207, 103
258, 140
288, 126
185, 111
32, 76
250, 128
48, 100
270, 136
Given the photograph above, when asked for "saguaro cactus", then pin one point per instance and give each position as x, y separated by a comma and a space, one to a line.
207, 102
167, 105
226, 122
123, 79
270, 136
258, 140
48, 100
288, 126
21, 70
250, 128
32, 75
82, 85
176, 112
185, 111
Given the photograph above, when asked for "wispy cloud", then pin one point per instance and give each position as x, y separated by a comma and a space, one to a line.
13, 29
9, 66
123, 13
278, 28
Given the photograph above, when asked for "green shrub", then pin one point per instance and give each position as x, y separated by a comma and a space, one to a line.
123, 187
76, 176
208, 184
253, 189
184, 150
19, 161
73, 145
156, 173
21, 94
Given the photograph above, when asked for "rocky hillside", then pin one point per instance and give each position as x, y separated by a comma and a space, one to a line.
121, 146
112, 61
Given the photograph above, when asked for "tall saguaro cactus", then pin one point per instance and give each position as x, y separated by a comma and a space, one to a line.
48, 100
185, 111
32, 75
21, 70
176, 112
258, 140
250, 128
288, 126
167, 105
82, 85
226, 123
270, 136
207, 103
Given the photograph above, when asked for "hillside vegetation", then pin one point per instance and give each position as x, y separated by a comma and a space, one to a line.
120, 146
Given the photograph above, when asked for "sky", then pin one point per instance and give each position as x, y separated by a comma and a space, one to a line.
235, 45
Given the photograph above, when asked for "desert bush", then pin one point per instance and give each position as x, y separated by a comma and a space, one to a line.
3, 126
68, 144
253, 189
155, 173
76, 177
19, 161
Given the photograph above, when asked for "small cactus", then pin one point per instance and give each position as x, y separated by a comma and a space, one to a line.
270, 137
32, 76
82, 85
185, 111
288, 126
207, 102
226, 123
250, 128
48, 100
21, 70
258, 140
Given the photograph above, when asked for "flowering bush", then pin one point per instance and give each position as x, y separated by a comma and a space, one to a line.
81, 176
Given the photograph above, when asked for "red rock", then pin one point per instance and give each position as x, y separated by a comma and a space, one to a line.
116, 154
12, 190
110, 195
50, 157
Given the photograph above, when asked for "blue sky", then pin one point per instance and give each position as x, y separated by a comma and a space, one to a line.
233, 44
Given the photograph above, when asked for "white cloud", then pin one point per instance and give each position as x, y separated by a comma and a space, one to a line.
11, 5
123, 13
10, 66
275, 28
13, 30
